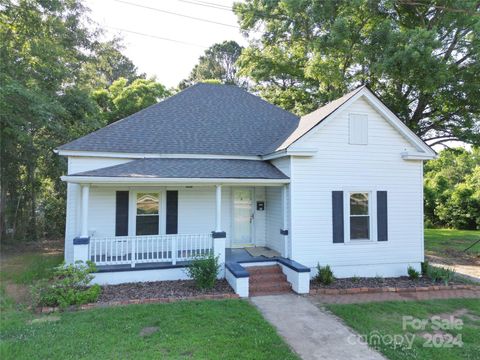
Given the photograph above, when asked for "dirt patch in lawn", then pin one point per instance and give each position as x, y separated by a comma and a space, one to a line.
45, 247
44, 319
149, 330
377, 282
159, 289
450, 316
458, 261
19, 293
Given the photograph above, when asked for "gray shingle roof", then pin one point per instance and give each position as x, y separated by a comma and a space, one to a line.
203, 119
190, 168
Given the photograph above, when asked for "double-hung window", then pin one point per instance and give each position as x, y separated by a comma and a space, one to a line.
147, 216
359, 216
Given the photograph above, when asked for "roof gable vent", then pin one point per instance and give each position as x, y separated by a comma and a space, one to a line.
358, 129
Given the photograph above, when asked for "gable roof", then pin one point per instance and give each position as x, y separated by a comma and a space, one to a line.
309, 121
202, 119
190, 168
312, 120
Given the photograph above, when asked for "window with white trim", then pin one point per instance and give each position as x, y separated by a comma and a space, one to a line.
359, 211
147, 215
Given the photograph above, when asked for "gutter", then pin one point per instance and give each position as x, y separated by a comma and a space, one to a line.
172, 181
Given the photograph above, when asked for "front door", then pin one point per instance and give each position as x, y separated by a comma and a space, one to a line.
242, 217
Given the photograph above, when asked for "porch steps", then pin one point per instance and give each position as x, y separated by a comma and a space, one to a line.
267, 280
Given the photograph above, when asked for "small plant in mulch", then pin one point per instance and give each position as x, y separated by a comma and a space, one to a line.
412, 273
204, 271
425, 266
324, 275
69, 285
439, 274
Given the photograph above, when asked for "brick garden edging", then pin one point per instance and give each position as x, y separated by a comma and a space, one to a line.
49, 309
391, 289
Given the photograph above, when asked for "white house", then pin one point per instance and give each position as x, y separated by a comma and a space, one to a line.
214, 168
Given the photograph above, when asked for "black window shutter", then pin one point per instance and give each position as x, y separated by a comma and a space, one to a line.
382, 216
121, 214
337, 216
172, 212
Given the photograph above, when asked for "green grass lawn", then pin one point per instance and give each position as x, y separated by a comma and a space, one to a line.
26, 268
440, 241
23, 270
227, 329
386, 319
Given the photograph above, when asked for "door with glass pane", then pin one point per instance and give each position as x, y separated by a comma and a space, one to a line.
242, 217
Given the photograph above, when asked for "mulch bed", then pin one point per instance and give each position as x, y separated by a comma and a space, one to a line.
376, 285
177, 289
398, 282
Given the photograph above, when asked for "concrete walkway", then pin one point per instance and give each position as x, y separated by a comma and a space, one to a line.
312, 333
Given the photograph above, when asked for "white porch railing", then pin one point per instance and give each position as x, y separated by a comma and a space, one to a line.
117, 250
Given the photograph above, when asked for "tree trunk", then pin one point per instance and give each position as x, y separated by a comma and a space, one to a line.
32, 231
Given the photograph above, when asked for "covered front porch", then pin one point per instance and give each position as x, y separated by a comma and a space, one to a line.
134, 223
150, 261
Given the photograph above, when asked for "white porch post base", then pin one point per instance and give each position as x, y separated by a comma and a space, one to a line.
219, 251
80, 249
300, 280
240, 285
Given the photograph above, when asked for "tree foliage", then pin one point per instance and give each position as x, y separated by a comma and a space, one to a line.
108, 65
122, 99
422, 58
50, 64
452, 189
218, 63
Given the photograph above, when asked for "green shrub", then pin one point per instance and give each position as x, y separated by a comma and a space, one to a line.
355, 279
204, 270
324, 275
412, 273
440, 274
69, 285
425, 265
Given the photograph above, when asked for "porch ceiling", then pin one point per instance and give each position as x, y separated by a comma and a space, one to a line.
184, 170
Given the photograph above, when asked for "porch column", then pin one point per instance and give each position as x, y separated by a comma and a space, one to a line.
84, 221
81, 243
218, 216
218, 236
284, 230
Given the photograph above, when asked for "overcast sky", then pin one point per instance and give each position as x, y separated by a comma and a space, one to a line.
169, 61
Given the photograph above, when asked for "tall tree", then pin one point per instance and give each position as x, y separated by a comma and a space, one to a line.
42, 46
421, 57
218, 63
108, 65
122, 99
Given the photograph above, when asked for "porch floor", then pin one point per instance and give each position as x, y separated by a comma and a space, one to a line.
238, 255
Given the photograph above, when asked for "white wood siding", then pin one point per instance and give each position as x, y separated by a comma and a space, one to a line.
274, 218
339, 165
284, 164
80, 164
